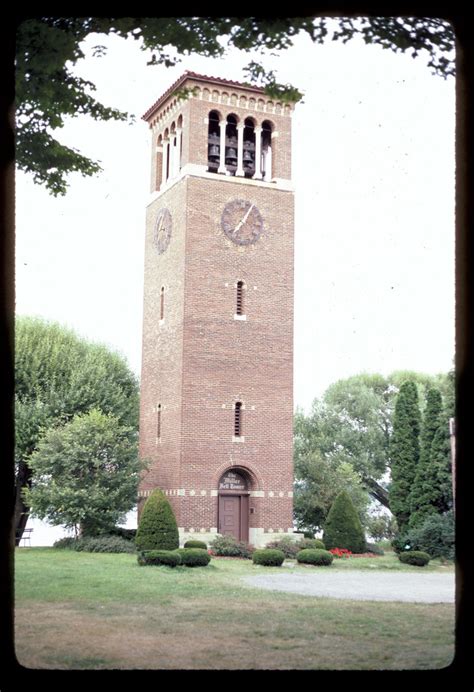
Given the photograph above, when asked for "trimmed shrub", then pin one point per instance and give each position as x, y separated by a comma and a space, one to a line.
312, 543
196, 544
414, 557
157, 529
268, 557
343, 528
310, 556
159, 557
288, 546
193, 557
228, 546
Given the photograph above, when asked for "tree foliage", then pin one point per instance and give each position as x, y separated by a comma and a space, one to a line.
157, 528
352, 425
86, 473
426, 478
342, 528
48, 48
59, 375
404, 451
318, 481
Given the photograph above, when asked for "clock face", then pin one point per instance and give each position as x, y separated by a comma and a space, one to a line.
162, 232
242, 222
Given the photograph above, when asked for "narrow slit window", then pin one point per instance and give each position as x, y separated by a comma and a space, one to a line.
158, 422
162, 303
238, 419
239, 309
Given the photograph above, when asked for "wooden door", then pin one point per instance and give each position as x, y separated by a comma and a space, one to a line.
229, 515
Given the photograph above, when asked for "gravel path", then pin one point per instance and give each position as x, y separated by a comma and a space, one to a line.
362, 585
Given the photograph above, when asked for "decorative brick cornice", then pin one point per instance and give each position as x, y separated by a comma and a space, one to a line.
188, 75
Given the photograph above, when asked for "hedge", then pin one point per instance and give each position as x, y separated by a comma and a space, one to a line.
159, 557
414, 557
310, 556
193, 557
268, 557
196, 544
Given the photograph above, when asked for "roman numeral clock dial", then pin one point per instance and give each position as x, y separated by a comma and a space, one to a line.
242, 222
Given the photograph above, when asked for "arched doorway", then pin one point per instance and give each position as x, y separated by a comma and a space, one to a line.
234, 495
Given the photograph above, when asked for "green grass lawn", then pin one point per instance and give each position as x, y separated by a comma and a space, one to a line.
90, 610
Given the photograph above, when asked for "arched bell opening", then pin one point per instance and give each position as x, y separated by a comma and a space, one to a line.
231, 145
213, 142
248, 158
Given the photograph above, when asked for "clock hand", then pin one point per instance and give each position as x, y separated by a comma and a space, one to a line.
241, 223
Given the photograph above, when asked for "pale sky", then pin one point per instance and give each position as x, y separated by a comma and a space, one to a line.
373, 169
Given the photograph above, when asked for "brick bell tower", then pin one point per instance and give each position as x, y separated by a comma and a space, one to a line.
216, 415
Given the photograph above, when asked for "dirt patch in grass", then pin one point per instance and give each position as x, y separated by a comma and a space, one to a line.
280, 634
97, 611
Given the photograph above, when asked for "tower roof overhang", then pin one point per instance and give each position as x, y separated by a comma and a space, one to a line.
195, 77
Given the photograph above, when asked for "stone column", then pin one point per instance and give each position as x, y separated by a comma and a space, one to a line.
240, 150
258, 153
222, 168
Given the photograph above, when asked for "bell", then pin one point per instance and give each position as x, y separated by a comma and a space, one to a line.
213, 150
248, 157
231, 155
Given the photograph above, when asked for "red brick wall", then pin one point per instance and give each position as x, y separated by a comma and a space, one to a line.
199, 360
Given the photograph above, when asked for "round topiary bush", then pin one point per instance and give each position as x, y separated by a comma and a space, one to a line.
343, 528
268, 557
159, 557
310, 556
193, 557
157, 529
196, 544
414, 557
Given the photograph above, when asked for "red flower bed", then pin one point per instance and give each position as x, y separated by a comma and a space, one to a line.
340, 552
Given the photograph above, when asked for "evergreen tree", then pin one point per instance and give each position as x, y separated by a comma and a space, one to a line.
157, 528
425, 487
343, 528
440, 460
404, 451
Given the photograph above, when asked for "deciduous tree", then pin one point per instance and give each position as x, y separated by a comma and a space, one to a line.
59, 375
85, 473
